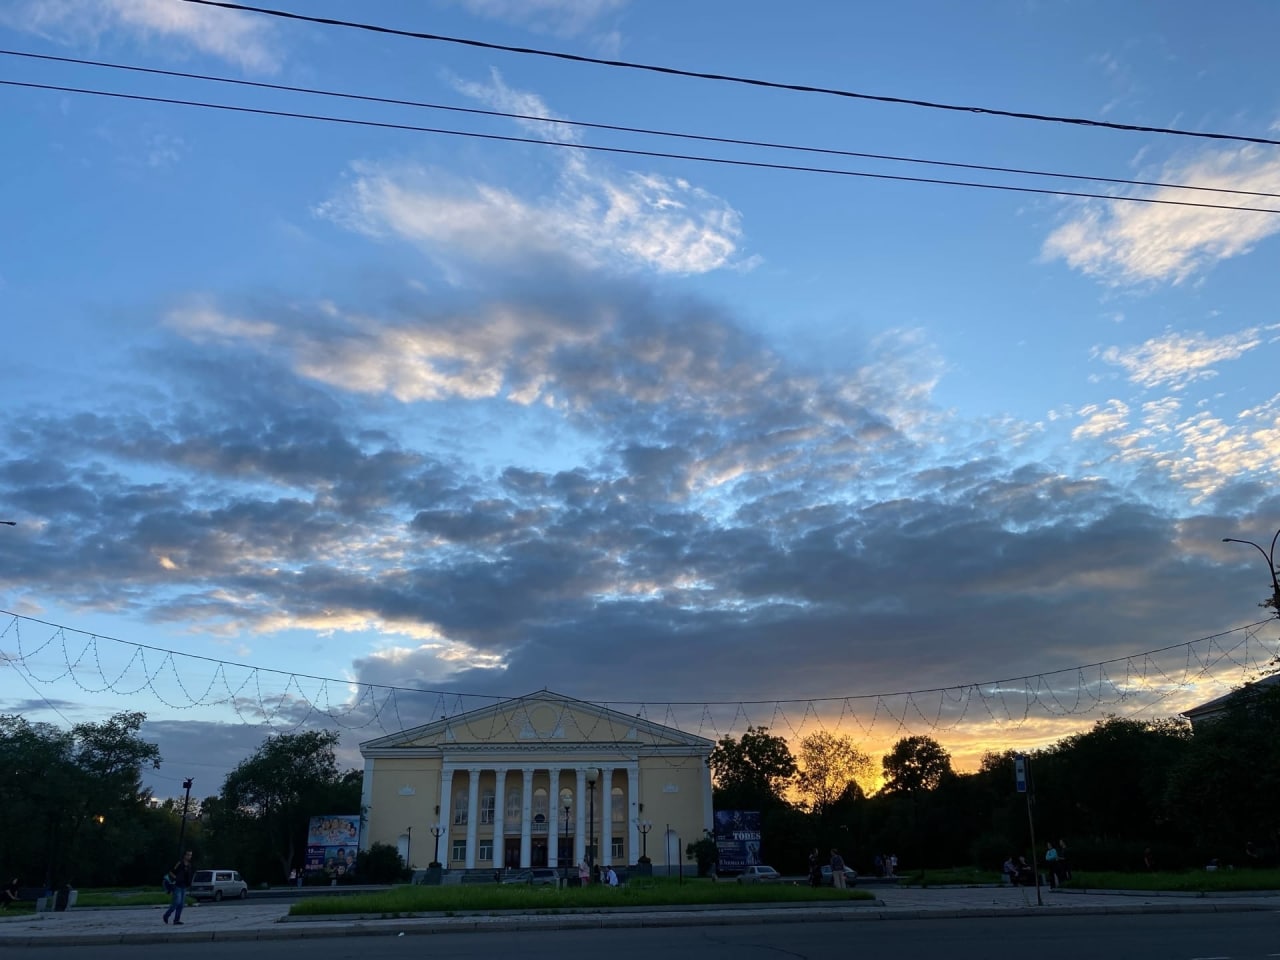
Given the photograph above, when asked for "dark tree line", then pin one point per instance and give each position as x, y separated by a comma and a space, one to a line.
76, 811
1114, 792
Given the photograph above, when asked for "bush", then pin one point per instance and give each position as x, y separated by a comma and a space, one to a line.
381, 863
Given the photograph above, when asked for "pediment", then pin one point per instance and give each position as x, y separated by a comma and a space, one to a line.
539, 718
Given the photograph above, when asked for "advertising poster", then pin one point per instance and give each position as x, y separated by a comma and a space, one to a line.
332, 843
737, 836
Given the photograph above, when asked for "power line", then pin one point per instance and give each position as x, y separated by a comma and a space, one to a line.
618, 128
293, 676
729, 78
626, 151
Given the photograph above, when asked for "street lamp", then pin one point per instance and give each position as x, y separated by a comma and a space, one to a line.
1270, 557
593, 774
408, 846
437, 831
182, 830
644, 826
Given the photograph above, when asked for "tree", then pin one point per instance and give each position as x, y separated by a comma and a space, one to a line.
829, 766
752, 772
915, 764
274, 793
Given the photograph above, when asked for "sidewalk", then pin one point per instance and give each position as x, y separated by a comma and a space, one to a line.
247, 920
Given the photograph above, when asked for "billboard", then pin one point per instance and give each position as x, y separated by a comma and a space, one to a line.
332, 843
737, 837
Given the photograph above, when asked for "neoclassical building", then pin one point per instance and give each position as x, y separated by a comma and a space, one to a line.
529, 782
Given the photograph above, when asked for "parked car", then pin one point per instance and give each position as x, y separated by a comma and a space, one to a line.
850, 876
218, 885
537, 877
759, 873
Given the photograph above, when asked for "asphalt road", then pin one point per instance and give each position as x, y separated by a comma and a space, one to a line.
1227, 936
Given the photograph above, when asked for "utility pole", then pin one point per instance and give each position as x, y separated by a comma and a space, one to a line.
182, 830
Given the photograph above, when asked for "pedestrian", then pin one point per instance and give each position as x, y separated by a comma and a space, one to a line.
9, 894
611, 878
1051, 864
837, 869
891, 864
180, 878
584, 873
815, 869
1064, 864
879, 865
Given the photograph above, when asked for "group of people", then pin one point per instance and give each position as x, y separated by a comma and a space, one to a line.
1057, 869
836, 862
886, 864
607, 875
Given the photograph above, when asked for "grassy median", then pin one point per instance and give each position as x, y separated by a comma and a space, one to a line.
656, 892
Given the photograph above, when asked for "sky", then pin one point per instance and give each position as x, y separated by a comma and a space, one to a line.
334, 413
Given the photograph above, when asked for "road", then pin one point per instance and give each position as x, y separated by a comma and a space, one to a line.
1226, 936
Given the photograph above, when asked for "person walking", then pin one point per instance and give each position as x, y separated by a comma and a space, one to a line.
181, 874
837, 869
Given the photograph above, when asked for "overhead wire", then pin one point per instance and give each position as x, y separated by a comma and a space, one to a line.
731, 78
629, 151
621, 128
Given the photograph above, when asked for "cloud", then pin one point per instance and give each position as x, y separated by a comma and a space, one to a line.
1177, 360
592, 216
564, 17
239, 38
1133, 243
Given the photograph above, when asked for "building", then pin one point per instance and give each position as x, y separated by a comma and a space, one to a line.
1207, 712
531, 782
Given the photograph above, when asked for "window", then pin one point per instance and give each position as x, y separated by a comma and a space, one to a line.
484, 851
540, 805
514, 804
618, 806
459, 850
460, 809
566, 800
486, 807
615, 848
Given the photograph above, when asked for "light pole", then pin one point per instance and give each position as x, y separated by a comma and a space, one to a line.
1270, 557
593, 774
644, 826
566, 836
408, 846
437, 831
182, 830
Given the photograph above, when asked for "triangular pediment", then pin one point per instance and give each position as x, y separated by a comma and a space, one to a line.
539, 718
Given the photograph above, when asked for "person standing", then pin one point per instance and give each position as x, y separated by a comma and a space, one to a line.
1051, 864
181, 874
584, 873
815, 869
837, 869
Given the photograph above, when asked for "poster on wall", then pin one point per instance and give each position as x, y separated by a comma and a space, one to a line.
737, 836
332, 843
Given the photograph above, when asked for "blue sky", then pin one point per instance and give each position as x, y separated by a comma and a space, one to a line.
486, 417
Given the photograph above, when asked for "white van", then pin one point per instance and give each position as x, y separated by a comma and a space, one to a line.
218, 884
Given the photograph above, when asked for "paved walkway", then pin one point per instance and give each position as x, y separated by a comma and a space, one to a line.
267, 921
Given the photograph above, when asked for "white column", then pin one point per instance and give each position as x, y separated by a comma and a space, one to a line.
473, 814
526, 820
606, 816
446, 818
580, 817
633, 812
708, 807
553, 814
499, 812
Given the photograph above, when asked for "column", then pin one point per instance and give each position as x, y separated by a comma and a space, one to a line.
708, 808
446, 795
553, 814
580, 818
526, 820
499, 812
366, 803
633, 812
473, 814
606, 816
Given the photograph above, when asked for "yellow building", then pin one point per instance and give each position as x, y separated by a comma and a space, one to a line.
531, 782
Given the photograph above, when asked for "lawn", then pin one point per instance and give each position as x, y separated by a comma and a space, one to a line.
655, 892
1186, 881
952, 877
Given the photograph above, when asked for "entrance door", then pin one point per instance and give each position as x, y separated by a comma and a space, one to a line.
511, 855
539, 853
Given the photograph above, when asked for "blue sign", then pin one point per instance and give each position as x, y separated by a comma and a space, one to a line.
737, 837
1020, 773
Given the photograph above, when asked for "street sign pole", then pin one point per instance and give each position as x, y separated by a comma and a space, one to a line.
1022, 778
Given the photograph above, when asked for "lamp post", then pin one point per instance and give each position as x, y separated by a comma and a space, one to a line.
566, 836
437, 831
1270, 557
644, 826
182, 830
593, 774
408, 846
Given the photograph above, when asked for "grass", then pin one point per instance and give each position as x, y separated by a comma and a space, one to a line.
953, 877
655, 892
1185, 881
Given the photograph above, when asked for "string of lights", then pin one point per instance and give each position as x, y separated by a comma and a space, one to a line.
729, 78
628, 151
621, 128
